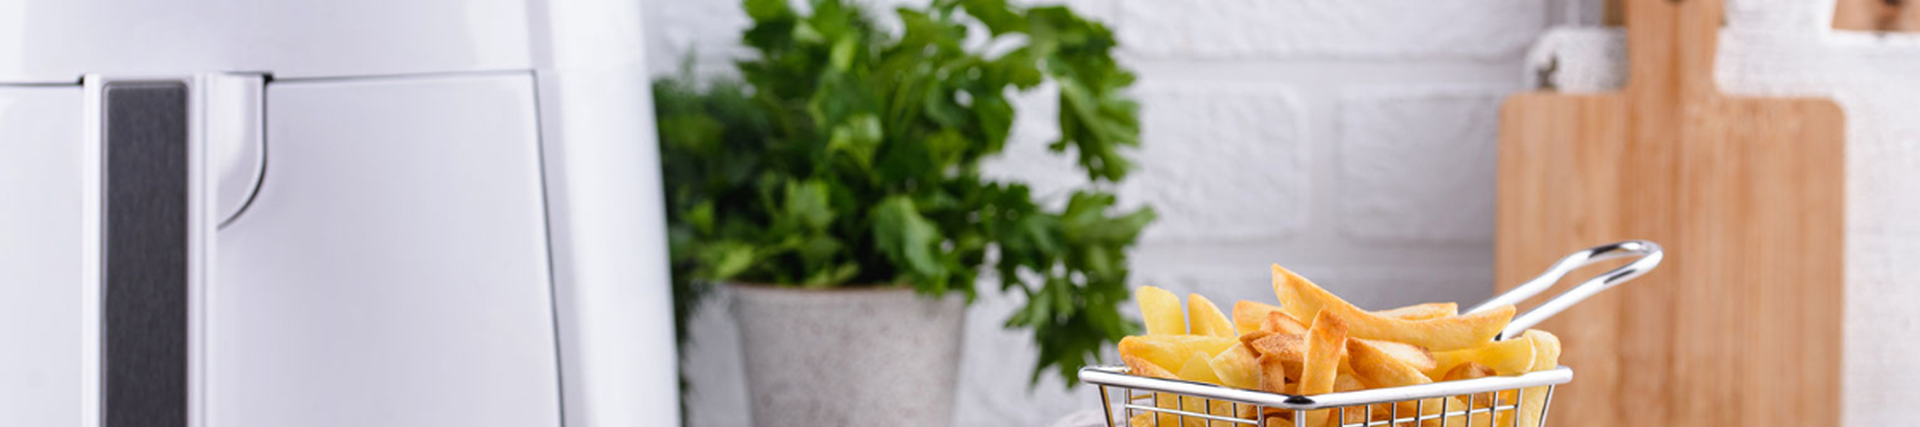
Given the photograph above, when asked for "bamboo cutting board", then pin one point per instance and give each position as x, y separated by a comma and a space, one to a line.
1742, 323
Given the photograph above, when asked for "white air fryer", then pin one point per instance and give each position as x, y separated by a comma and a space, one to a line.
339, 213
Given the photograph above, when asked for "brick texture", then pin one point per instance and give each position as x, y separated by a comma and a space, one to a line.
1388, 29
1223, 162
1418, 164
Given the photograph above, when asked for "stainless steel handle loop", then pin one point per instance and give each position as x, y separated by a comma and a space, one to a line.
1650, 256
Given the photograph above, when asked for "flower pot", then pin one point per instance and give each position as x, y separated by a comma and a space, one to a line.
849, 357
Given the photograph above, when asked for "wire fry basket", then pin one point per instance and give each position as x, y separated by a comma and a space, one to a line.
1501, 401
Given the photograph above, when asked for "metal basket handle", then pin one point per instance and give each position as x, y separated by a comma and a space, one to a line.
1648, 252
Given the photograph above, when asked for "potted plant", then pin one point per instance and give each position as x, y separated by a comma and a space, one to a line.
837, 189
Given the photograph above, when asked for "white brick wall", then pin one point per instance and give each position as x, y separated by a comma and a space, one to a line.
1222, 162
1389, 29
1788, 48
1351, 140
1410, 163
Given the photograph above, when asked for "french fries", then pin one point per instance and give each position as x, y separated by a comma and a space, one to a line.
1278, 420
1354, 415
1413, 356
1142, 367
1347, 382
1325, 339
1514, 356
1284, 346
1256, 335
1140, 420
1282, 323
1161, 311
1199, 368
1172, 350
1274, 374
1302, 299
1313, 342
1467, 371
1382, 367
1236, 367
1249, 315
1546, 349
1546, 355
1422, 311
1205, 319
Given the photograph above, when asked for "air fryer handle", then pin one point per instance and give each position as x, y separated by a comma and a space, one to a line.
147, 197
170, 160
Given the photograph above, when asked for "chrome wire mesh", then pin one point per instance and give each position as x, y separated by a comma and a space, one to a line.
1131, 401
1139, 408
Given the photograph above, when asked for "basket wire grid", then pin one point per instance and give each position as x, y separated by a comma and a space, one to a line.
1367, 416
1500, 401
1132, 401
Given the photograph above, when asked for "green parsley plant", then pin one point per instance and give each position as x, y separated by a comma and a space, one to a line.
849, 155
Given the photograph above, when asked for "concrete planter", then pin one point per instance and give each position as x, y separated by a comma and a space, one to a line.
849, 357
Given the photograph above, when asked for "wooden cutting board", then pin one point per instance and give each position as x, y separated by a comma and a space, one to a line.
1742, 323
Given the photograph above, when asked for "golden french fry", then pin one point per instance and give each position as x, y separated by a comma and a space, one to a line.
1249, 315
1381, 368
1289, 354
1291, 350
1172, 350
1270, 415
1467, 371
1206, 319
1245, 411
1222, 408
1347, 382
1197, 370
1359, 415
1142, 367
1325, 339
1282, 323
1236, 367
1250, 337
1302, 299
1546, 349
1160, 310
1200, 369
1546, 355
1509, 357
1278, 420
1273, 374
1353, 414
1287, 347
1140, 420
1422, 311
1412, 355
